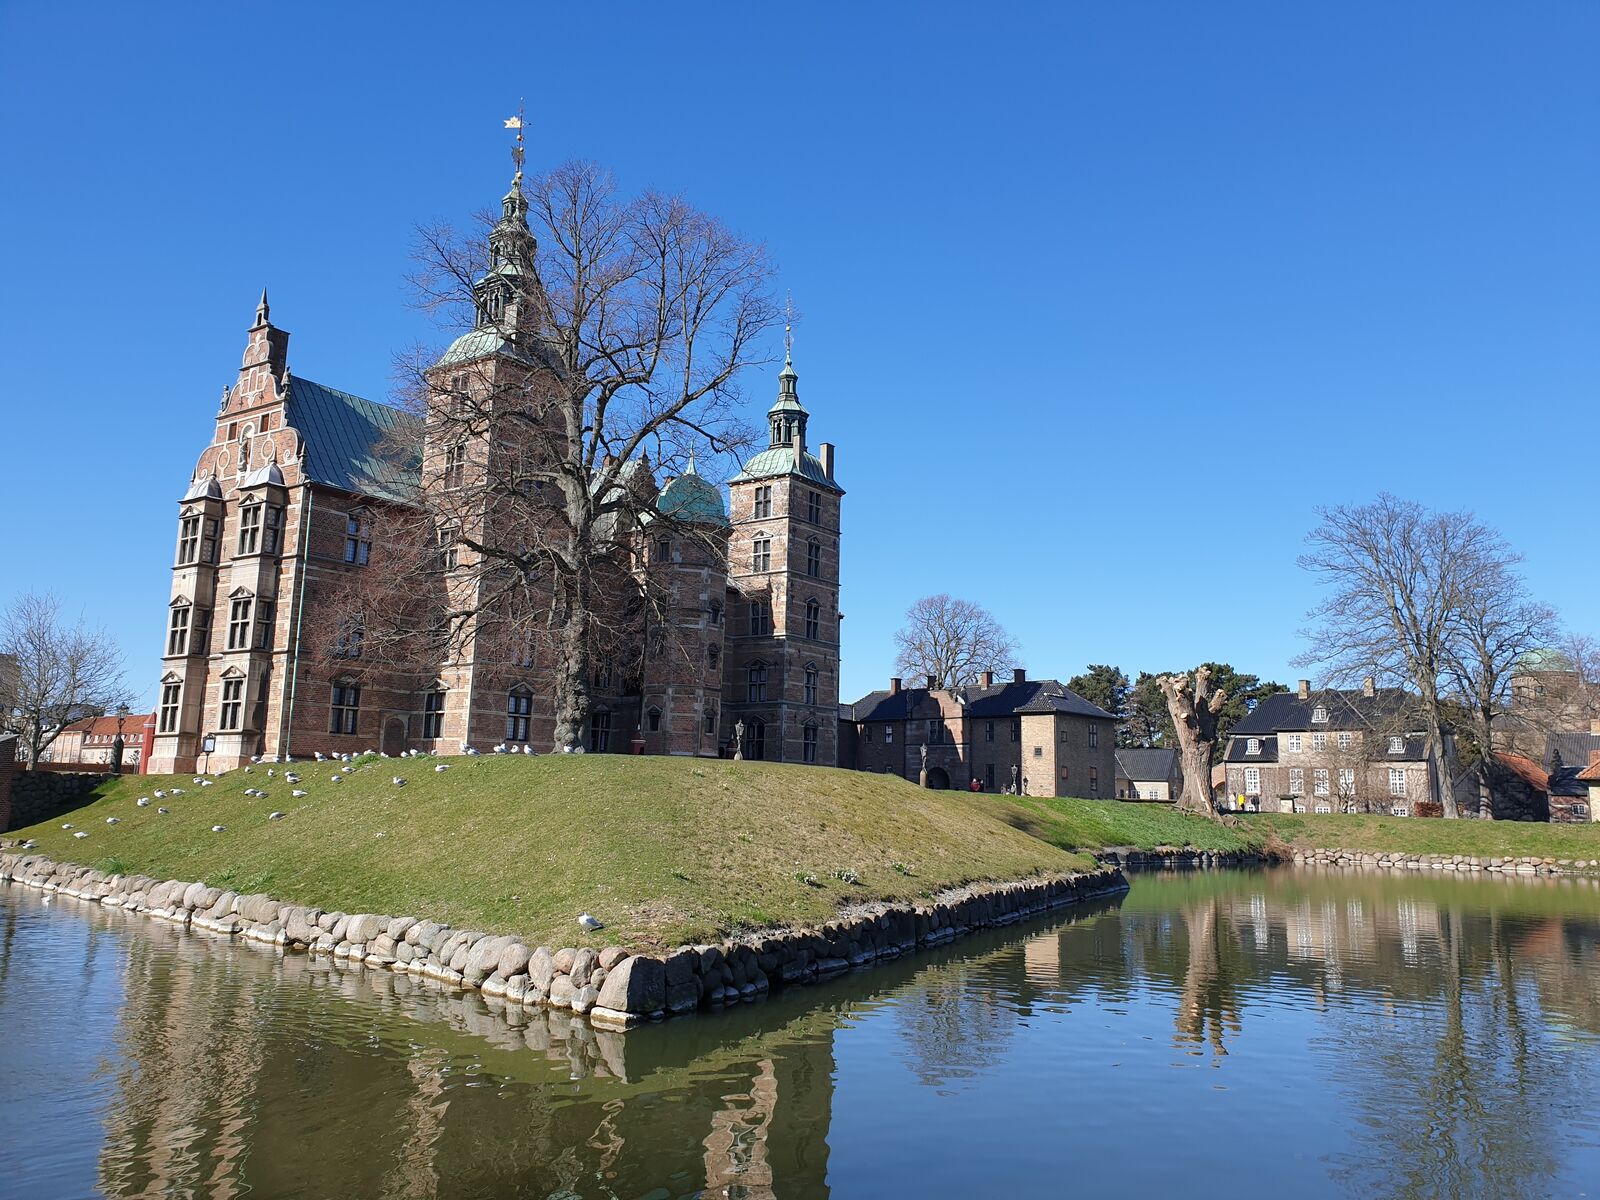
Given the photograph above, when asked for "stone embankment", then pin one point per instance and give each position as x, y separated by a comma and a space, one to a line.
612, 987
1375, 859
1176, 858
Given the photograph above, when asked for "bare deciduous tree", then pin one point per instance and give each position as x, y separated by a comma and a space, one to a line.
1494, 623
618, 333
1193, 707
1399, 574
951, 641
58, 673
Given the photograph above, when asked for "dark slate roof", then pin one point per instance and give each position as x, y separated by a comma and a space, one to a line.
1238, 745
1003, 700
1142, 763
344, 441
1346, 710
1574, 748
1565, 782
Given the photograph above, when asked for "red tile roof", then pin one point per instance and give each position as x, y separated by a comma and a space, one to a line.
1531, 772
1591, 773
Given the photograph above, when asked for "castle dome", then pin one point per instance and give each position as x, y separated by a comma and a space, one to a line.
1544, 659
692, 498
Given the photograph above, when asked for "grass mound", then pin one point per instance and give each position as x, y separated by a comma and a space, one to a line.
1412, 835
662, 850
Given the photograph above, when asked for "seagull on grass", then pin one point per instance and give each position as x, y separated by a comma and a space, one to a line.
589, 922
218, 828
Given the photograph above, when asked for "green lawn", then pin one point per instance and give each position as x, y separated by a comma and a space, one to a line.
662, 850
1094, 824
1411, 835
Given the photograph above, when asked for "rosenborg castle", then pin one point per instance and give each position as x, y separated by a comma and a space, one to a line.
279, 513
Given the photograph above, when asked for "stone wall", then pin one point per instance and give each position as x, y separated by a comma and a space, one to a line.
8, 771
1175, 858
613, 987
38, 795
1523, 865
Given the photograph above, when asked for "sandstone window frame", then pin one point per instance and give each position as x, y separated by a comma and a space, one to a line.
808, 743
241, 610
351, 635
433, 702
652, 719
170, 710
600, 731
250, 527
760, 618
761, 553
265, 624
814, 506
231, 710
271, 528
755, 739
519, 713
178, 628
756, 682
761, 503
188, 539
357, 538
200, 632
344, 707
813, 622
814, 558
812, 677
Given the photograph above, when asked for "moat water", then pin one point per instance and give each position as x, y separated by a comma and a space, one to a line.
1235, 1034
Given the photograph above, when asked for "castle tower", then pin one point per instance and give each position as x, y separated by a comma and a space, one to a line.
686, 564
782, 658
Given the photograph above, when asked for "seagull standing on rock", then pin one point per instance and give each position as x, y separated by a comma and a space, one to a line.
590, 923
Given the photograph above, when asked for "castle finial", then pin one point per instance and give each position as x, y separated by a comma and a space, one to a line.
262, 311
690, 470
788, 330
517, 122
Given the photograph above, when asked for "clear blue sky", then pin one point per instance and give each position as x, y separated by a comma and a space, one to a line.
1100, 299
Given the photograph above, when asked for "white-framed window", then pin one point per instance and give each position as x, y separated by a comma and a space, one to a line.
1322, 808
1294, 743
888, 735
1253, 746
1252, 781
1347, 782
1094, 736
1397, 745
1319, 781
1299, 808
1319, 715
1400, 810
1344, 741
1397, 781
1297, 781
1319, 741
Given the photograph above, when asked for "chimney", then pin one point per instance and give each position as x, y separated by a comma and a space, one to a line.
1369, 687
986, 679
894, 686
1304, 690
825, 454
933, 682
1019, 675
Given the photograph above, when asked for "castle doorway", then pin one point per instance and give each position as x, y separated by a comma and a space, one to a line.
394, 736
939, 778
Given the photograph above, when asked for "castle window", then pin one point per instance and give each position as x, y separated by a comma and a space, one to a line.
519, 712
1294, 743
455, 466
888, 735
716, 612
1252, 746
814, 559
712, 654
1094, 780
1397, 781
1319, 741
1397, 745
1252, 781
239, 622
200, 642
178, 632
599, 732
760, 618
763, 506
663, 550
935, 730
265, 611
1347, 782
1016, 729
709, 721
761, 554
351, 634
433, 714
232, 703
988, 731
272, 532
757, 682
602, 677
449, 556
813, 619
1319, 715
814, 507
1094, 736
808, 744
188, 540
345, 708
755, 740
811, 683
249, 528
653, 720
357, 541
1344, 741
1297, 781
233, 430
208, 544
170, 695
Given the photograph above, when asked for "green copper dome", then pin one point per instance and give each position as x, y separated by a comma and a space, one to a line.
693, 499
1546, 659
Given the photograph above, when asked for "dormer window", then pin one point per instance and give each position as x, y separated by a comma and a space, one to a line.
1319, 715
1397, 745
1253, 746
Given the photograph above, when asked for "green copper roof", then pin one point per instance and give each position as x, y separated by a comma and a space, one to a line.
479, 343
348, 441
781, 460
1546, 659
692, 498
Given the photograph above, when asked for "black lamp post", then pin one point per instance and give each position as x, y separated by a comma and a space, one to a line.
116, 742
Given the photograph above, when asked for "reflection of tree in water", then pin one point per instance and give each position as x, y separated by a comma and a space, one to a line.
1461, 1097
953, 1026
1209, 1002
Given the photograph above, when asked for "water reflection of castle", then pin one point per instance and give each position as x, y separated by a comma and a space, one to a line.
245, 1074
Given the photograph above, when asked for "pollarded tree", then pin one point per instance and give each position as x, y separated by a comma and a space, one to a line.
951, 642
612, 330
1193, 706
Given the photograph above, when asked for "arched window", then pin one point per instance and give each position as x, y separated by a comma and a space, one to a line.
813, 619
519, 709
757, 688
812, 675
712, 656
652, 720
